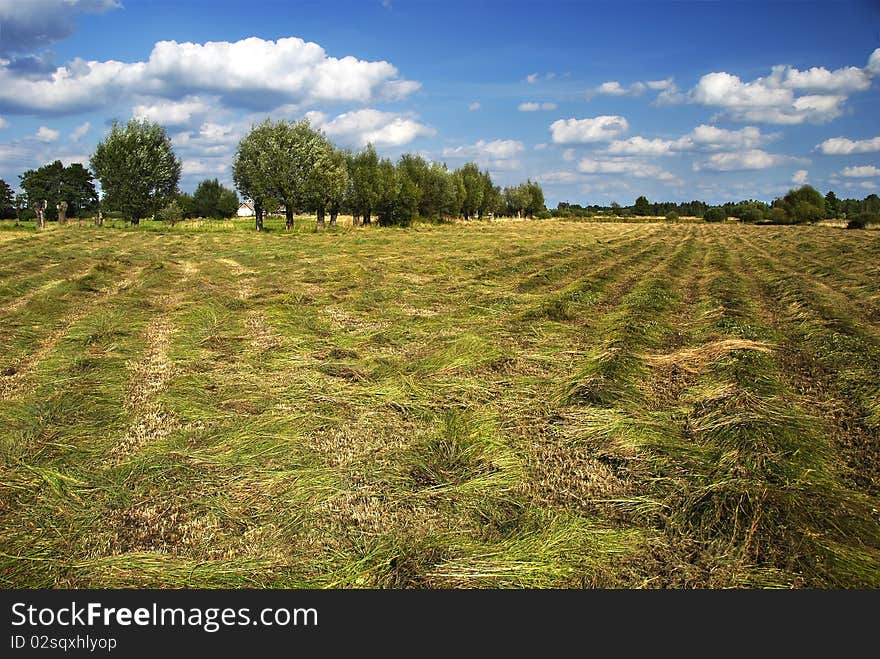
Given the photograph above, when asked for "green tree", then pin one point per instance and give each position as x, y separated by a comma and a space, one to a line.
251, 169
472, 180
330, 185
491, 198
642, 206
715, 214
387, 188
137, 169
7, 201
364, 181
832, 205
56, 183
214, 200
172, 213
535, 203
804, 204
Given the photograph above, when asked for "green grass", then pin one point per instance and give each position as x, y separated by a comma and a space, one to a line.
501, 404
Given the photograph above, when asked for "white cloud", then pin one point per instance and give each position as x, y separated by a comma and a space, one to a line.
540, 146
29, 25
202, 168
45, 134
568, 155
534, 107
701, 138
80, 131
594, 129
532, 78
743, 160
860, 171
777, 97
842, 146
361, 127
800, 177
172, 113
474, 106
559, 178
874, 62
251, 73
614, 88
611, 88
3, 123
496, 154
640, 146
625, 166
868, 185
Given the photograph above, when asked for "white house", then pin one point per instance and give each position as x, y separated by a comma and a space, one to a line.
246, 209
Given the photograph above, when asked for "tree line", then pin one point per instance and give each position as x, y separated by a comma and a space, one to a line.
292, 167
798, 206
283, 166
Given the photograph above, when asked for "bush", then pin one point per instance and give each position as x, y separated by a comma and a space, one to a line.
862, 220
715, 214
172, 213
751, 215
543, 215
672, 216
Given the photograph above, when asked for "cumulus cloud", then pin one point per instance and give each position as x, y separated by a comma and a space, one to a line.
594, 129
495, 154
701, 138
624, 166
558, 178
251, 73
172, 113
532, 106
787, 95
80, 131
861, 171
611, 88
800, 177
743, 160
202, 168
474, 106
29, 25
615, 88
842, 146
45, 134
874, 63
532, 78
361, 127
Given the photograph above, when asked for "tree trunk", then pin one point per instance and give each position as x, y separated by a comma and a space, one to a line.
99, 219
366, 217
333, 214
288, 214
355, 218
321, 223
258, 216
135, 221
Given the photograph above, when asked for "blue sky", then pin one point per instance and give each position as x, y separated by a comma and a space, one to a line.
600, 102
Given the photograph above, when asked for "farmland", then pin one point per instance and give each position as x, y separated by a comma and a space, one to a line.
484, 404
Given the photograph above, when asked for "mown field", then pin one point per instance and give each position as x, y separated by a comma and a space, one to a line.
511, 404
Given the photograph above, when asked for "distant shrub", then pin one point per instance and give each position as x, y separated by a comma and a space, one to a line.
672, 216
778, 216
114, 215
862, 220
172, 213
543, 215
751, 215
715, 214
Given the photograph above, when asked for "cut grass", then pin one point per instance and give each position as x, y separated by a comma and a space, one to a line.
521, 404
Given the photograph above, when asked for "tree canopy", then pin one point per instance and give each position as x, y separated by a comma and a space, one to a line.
56, 183
137, 169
